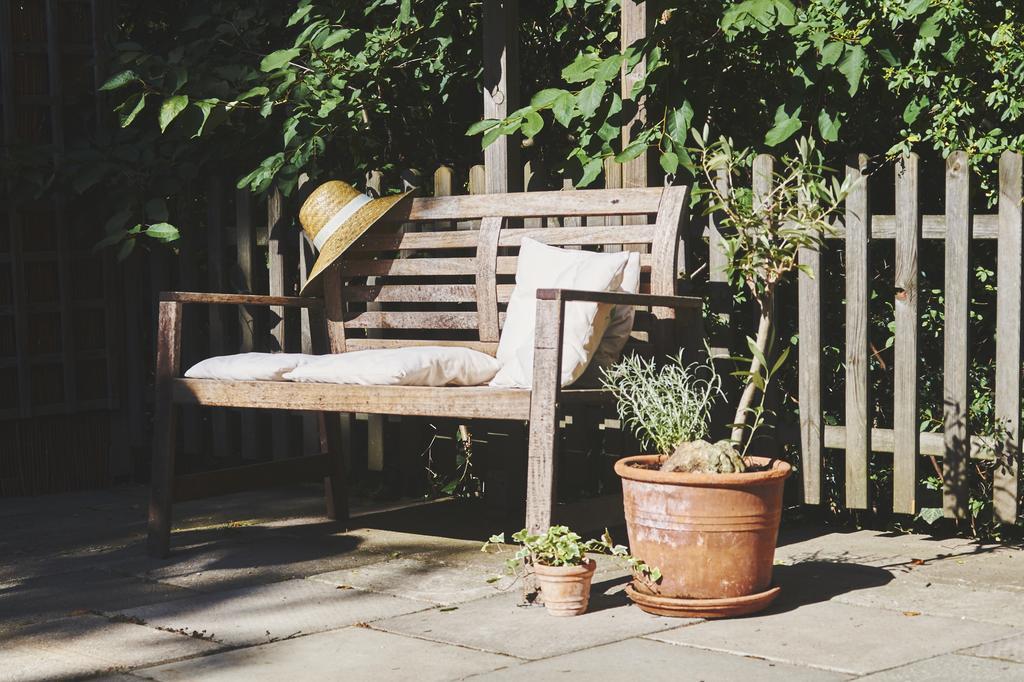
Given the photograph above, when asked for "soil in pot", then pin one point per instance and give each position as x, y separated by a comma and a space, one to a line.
712, 535
566, 589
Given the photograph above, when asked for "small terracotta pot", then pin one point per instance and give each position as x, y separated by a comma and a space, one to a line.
711, 535
565, 589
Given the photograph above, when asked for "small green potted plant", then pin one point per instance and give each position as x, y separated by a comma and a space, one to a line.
708, 513
558, 559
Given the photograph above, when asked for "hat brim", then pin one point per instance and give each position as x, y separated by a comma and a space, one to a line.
354, 228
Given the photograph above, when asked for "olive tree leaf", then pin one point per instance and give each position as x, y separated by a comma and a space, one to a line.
170, 108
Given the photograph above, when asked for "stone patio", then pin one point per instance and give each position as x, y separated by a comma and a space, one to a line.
260, 587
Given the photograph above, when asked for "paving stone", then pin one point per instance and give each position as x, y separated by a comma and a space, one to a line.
837, 636
1009, 649
950, 667
84, 645
349, 654
941, 599
423, 580
644, 659
500, 625
264, 613
1000, 568
225, 564
36, 599
895, 552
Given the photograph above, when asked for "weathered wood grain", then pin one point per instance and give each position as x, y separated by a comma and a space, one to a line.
858, 231
809, 373
366, 344
168, 366
465, 239
501, 89
905, 359
486, 279
426, 401
884, 440
584, 202
437, 267
547, 360
1008, 339
434, 319
957, 296
240, 299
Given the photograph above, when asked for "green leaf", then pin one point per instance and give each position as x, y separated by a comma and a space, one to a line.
785, 127
298, 15
563, 109
275, 60
669, 162
930, 28
130, 108
914, 108
490, 136
126, 249
164, 232
259, 90
831, 53
405, 11
546, 97
532, 123
119, 80
852, 66
930, 514
634, 150
335, 37
205, 106
679, 123
589, 98
591, 170
169, 110
481, 126
828, 126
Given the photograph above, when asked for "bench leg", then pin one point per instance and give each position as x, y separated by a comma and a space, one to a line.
336, 481
165, 417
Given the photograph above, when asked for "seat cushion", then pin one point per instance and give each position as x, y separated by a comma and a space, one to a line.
247, 366
547, 267
409, 366
620, 325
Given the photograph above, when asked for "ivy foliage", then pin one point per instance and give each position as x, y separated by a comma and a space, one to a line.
881, 76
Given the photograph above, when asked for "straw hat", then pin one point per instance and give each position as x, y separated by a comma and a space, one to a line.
334, 216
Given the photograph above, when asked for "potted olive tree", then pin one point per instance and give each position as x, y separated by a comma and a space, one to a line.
707, 514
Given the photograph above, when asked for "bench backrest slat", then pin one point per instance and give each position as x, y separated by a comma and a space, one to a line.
427, 279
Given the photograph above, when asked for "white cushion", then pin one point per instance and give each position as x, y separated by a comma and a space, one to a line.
547, 267
408, 366
620, 325
247, 366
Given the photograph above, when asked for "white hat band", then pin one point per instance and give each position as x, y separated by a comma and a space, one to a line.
339, 218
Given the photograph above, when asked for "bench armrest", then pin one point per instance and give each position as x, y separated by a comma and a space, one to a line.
619, 298
240, 299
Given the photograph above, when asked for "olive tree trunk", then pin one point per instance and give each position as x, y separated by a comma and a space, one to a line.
765, 328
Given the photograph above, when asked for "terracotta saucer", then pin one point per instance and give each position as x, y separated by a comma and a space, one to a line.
702, 608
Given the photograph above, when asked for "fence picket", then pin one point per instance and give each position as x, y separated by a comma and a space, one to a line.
906, 446
251, 443
858, 231
809, 329
956, 458
905, 419
1008, 333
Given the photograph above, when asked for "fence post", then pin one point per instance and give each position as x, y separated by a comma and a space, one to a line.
809, 373
858, 434
501, 90
215, 282
956, 458
276, 246
1008, 331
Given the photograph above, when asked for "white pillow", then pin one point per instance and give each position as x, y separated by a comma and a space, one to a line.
408, 366
548, 267
247, 366
620, 325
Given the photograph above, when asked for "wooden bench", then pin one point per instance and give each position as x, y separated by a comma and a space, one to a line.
444, 284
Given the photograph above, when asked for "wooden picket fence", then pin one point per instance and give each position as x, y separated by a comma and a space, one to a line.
858, 437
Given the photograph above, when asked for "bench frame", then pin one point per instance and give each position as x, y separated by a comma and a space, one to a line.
333, 318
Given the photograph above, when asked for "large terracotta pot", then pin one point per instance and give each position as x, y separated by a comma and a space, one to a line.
711, 535
566, 589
